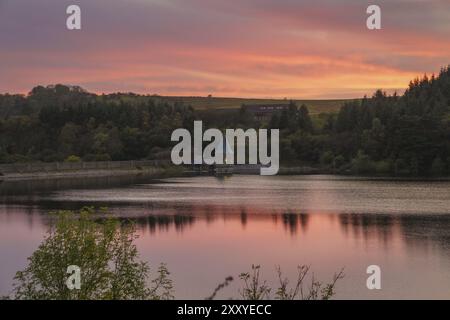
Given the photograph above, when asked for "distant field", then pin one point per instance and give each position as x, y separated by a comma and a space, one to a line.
205, 103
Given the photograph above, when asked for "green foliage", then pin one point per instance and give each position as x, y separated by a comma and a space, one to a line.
408, 131
72, 158
362, 164
107, 257
339, 161
384, 167
162, 288
327, 158
104, 250
382, 134
54, 122
292, 119
304, 120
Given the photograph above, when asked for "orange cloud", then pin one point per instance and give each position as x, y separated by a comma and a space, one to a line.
281, 48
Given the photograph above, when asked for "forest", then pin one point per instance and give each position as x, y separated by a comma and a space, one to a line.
403, 135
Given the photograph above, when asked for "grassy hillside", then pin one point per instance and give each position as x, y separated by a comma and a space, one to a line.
208, 103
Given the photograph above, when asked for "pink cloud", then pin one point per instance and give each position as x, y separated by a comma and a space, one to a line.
262, 48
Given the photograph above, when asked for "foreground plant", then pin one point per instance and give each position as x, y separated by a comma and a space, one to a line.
104, 252
256, 289
106, 255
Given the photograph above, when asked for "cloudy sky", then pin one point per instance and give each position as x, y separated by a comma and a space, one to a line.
245, 48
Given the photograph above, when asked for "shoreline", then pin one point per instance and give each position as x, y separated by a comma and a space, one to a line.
97, 173
74, 174
61, 170
176, 171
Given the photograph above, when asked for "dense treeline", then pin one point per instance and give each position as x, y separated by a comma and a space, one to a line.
385, 134
56, 122
402, 135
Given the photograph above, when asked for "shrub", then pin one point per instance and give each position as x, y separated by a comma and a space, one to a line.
401, 167
383, 167
326, 158
362, 164
72, 158
339, 161
256, 289
106, 255
102, 157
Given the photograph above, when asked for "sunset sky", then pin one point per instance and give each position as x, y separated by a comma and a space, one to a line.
243, 48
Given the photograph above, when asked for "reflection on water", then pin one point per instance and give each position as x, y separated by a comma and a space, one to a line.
206, 229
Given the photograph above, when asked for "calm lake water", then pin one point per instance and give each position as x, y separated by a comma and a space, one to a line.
207, 228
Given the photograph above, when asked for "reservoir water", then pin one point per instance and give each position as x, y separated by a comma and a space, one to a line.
208, 228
